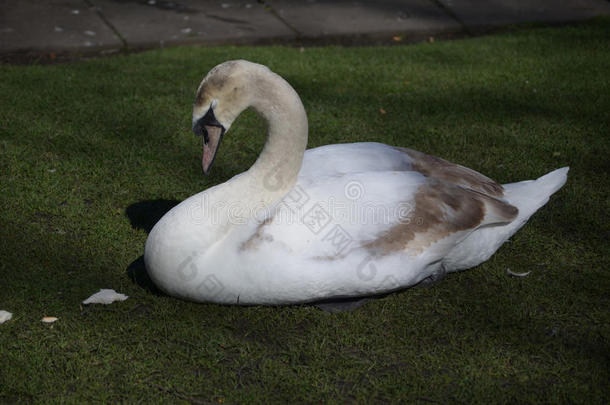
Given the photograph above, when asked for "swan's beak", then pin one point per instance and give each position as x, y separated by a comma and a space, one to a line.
211, 131
214, 136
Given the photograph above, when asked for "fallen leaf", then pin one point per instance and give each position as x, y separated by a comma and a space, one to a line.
431, 39
397, 38
49, 319
382, 111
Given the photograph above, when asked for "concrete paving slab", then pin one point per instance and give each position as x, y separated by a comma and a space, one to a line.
318, 18
474, 13
47, 27
145, 23
52, 25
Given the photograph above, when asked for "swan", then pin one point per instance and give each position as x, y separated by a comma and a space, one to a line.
334, 222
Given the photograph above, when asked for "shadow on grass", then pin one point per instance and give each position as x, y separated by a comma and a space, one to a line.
136, 271
144, 215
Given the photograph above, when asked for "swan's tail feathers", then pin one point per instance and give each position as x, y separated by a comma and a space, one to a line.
528, 196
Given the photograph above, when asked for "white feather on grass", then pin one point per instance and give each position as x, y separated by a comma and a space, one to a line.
5, 316
105, 296
512, 273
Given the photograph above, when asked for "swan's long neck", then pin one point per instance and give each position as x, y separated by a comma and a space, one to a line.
275, 171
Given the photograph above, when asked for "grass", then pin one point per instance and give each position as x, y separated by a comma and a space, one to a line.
91, 153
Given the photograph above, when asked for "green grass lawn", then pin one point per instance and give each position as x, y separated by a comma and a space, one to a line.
91, 153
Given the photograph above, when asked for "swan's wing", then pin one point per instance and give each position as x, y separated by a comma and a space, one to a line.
345, 158
379, 213
355, 234
362, 219
342, 159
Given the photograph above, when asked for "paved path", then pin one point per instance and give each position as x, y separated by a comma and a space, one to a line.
106, 26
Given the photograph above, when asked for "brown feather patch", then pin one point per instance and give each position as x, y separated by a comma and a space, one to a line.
258, 237
441, 169
441, 209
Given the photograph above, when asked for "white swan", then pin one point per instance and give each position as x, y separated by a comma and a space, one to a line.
336, 221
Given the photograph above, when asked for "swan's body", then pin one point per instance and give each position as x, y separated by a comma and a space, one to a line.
336, 221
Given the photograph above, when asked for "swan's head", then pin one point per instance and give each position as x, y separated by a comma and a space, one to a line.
221, 97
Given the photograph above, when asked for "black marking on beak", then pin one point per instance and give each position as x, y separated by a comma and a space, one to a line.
212, 132
209, 119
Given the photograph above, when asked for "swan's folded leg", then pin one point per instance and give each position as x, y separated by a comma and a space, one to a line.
432, 280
